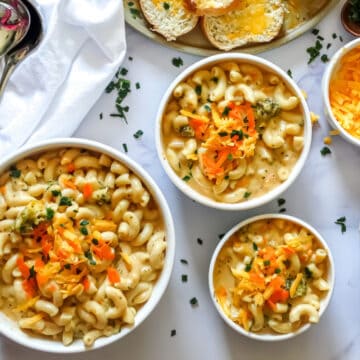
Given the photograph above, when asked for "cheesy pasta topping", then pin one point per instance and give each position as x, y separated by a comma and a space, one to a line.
82, 244
233, 131
270, 277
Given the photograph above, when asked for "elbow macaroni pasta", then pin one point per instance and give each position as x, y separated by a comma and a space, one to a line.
227, 118
266, 280
82, 243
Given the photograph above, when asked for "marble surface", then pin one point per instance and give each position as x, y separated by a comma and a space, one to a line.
327, 189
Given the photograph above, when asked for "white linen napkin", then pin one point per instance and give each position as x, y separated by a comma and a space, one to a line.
52, 90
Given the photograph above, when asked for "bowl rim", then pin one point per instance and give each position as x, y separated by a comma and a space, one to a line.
324, 302
56, 346
260, 200
329, 71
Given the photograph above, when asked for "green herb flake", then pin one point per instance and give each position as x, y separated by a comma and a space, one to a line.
220, 236
67, 266
324, 58
341, 221
49, 213
325, 151
247, 194
137, 85
198, 89
320, 38
138, 134
84, 222
84, 230
215, 79
289, 73
183, 261
248, 267
166, 6
124, 71
130, 58
308, 273
199, 241
282, 210
32, 272
334, 36
135, 13
230, 157
125, 148
266, 262
281, 202
65, 201
14, 172
277, 271
223, 133
328, 46
226, 111
95, 241
89, 256
315, 31
238, 133
55, 193
184, 278
101, 116
255, 247
130, 3
207, 107
177, 62
194, 301
173, 333
341, 39
186, 178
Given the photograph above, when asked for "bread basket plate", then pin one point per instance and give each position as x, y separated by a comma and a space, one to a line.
308, 14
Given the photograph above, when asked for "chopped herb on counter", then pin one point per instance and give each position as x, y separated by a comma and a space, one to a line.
341, 221
125, 148
199, 241
138, 134
325, 151
173, 333
101, 116
177, 62
328, 46
282, 210
314, 51
183, 261
130, 58
324, 58
281, 201
123, 71
315, 31
184, 278
320, 38
194, 301
340, 38
14, 172
137, 85
334, 36
289, 73
220, 236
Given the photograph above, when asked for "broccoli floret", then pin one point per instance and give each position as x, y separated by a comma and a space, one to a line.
32, 215
187, 131
266, 109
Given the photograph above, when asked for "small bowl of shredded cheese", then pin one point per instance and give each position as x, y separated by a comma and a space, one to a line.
341, 92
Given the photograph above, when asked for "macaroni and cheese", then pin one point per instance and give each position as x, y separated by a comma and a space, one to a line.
82, 243
233, 131
270, 277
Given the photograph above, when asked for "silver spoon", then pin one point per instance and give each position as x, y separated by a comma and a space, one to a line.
14, 24
21, 50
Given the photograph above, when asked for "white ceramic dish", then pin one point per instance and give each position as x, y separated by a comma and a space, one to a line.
331, 68
323, 303
10, 329
267, 197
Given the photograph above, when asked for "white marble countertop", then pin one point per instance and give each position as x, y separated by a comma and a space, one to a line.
327, 189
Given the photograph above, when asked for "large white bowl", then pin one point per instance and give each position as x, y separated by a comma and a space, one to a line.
331, 68
257, 201
324, 302
10, 329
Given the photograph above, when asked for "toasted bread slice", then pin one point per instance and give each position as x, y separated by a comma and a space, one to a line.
253, 21
212, 7
169, 18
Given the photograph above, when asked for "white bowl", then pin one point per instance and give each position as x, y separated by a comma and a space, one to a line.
331, 68
257, 201
10, 329
324, 302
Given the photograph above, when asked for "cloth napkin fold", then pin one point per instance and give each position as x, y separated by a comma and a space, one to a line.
52, 90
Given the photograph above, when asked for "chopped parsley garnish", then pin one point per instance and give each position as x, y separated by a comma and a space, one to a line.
248, 267
49, 213
65, 201
84, 222
239, 133
308, 273
173, 332
123, 71
247, 194
135, 13
255, 247
67, 266
282, 210
186, 178
198, 89
215, 79
184, 278
277, 271
328, 46
340, 38
166, 6
320, 38
89, 256
84, 230
125, 148
266, 262
194, 301
199, 241
137, 85
314, 51
281, 202
55, 193
324, 58
325, 151
315, 31
229, 157
177, 62
183, 261
223, 133
341, 221
130, 3
14, 172
207, 107
220, 236
226, 111
32, 272
101, 116
138, 134
95, 241
289, 73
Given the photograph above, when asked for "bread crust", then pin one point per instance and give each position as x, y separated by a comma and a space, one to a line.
211, 10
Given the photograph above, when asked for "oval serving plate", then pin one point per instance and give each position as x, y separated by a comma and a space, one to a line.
308, 14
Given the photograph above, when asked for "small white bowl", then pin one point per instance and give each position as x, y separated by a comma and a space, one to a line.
330, 70
10, 329
324, 302
257, 201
